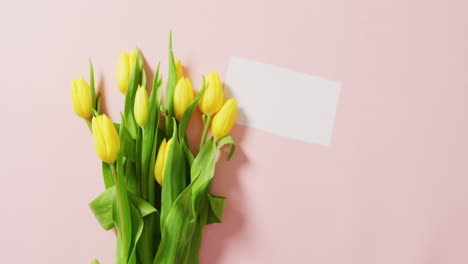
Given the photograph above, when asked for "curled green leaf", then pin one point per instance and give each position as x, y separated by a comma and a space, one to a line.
227, 141
102, 208
91, 84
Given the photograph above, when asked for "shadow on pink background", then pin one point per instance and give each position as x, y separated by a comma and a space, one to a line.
391, 188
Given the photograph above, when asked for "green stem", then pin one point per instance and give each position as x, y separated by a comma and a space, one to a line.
149, 169
139, 174
146, 243
205, 131
123, 208
145, 160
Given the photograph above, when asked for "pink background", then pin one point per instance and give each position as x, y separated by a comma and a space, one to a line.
391, 188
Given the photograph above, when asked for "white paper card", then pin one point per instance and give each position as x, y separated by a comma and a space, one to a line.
283, 102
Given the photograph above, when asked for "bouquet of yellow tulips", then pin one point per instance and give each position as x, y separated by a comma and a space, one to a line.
157, 196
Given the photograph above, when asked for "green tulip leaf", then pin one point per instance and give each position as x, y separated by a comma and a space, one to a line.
148, 242
193, 254
144, 246
177, 232
170, 87
143, 76
132, 178
91, 85
107, 175
149, 145
210, 210
144, 208
188, 153
94, 261
157, 83
184, 122
127, 144
174, 178
130, 97
121, 212
137, 230
98, 105
137, 169
116, 219
102, 208
216, 208
149, 189
227, 141
130, 148
118, 253
202, 173
193, 250
187, 115
117, 126
181, 235
204, 164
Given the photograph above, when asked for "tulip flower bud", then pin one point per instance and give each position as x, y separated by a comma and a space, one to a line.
179, 69
132, 56
140, 108
224, 120
183, 96
213, 97
160, 166
124, 67
106, 138
81, 98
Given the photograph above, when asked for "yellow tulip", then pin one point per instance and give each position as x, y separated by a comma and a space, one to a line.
132, 56
179, 70
106, 138
160, 166
224, 120
124, 67
81, 98
140, 108
213, 97
183, 96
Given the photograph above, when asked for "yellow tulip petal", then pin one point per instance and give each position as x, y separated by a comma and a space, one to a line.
123, 72
166, 152
158, 167
98, 138
75, 101
106, 138
224, 120
140, 108
132, 56
213, 96
81, 98
179, 70
183, 96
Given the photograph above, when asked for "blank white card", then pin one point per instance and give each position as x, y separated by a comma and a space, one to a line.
283, 102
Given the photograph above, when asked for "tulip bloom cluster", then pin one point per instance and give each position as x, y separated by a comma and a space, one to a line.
157, 197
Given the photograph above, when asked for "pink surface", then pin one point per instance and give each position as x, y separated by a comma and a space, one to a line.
391, 188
